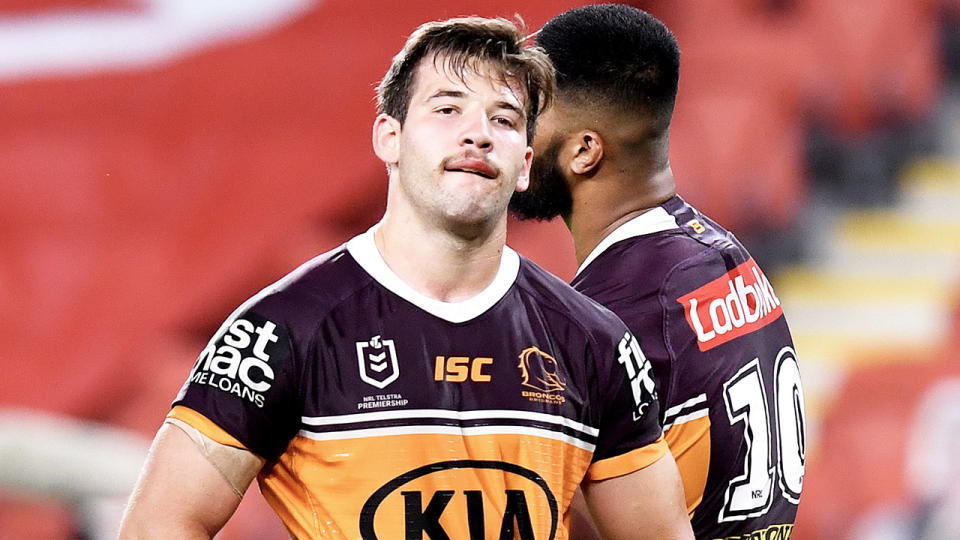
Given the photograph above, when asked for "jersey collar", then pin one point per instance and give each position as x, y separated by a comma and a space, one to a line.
363, 249
654, 220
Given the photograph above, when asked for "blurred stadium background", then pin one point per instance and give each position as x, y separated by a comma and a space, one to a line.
161, 160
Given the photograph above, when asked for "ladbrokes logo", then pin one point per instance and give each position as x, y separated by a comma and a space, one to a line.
243, 360
730, 306
541, 372
457, 498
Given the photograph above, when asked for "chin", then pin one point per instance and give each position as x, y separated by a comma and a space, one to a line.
473, 222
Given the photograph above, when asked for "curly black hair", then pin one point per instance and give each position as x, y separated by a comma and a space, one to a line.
614, 54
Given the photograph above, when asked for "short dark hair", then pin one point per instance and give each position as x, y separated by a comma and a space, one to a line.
615, 54
465, 44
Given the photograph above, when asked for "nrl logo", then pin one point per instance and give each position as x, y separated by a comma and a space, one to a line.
378, 361
540, 371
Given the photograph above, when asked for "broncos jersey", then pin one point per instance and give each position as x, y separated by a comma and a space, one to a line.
383, 413
727, 377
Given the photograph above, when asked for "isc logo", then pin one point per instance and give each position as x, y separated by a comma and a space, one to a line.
460, 368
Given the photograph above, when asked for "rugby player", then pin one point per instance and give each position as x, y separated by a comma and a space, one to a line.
424, 380
707, 317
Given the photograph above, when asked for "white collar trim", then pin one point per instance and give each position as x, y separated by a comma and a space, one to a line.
654, 220
363, 249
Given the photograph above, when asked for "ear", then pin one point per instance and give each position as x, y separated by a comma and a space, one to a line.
523, 182
386, 139
586, 151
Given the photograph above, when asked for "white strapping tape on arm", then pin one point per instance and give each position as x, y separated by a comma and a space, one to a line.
237, 465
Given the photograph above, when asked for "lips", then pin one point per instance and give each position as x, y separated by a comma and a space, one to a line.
471, 165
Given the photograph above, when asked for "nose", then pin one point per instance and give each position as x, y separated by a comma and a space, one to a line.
476, 131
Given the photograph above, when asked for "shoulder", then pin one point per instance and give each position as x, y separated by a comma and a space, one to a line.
703, 235
647, 250
698, 245
552, 293
310, 291
703, 253
698, 240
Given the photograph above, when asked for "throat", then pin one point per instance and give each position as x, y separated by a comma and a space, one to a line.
440, 266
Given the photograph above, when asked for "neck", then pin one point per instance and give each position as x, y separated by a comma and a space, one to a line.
611, 198
436, 261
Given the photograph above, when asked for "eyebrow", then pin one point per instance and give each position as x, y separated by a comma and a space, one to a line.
461, 94
510, 106
447, 93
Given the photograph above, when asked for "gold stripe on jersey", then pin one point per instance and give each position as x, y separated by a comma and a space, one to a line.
321, 488
690, 444
629, 462
326, 488
202, 423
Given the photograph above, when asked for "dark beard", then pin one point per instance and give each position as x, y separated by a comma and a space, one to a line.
548, 195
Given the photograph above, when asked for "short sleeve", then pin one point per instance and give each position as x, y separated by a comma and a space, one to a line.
245, 381
630, 436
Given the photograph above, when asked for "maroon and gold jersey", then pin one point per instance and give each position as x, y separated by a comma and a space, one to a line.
727, 377
383, 413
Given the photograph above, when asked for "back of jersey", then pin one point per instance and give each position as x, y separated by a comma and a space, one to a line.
736, 369
727, 373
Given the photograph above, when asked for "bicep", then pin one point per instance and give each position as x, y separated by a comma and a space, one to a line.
581, 523
180, 493
647, 503
689, 443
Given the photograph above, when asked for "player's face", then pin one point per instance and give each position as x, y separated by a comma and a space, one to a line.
548, 195
463, 145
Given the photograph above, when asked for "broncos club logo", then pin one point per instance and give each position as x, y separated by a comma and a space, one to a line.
540, 371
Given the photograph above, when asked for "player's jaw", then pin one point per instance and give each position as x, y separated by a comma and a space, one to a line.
474, 189
548, 195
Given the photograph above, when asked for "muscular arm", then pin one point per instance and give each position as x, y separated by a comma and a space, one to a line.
647, 503
180, 493
581, 524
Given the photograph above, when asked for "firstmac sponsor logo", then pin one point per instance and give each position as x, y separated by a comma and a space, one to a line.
243, 360
737, 303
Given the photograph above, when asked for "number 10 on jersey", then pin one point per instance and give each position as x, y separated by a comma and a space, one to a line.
751, 493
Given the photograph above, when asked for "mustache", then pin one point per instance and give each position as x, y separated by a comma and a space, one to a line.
471, 162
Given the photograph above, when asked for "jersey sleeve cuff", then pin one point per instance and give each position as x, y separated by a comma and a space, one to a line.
204, 425
629, 462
